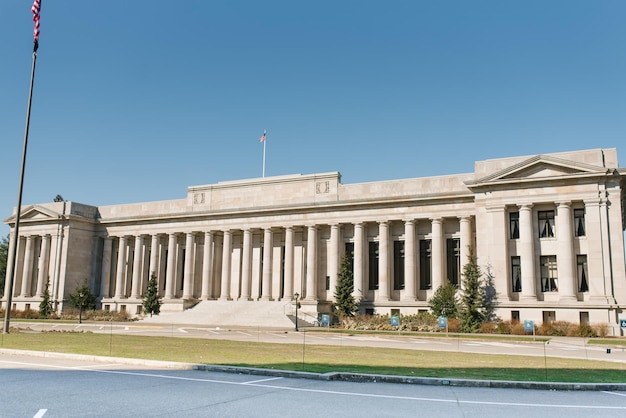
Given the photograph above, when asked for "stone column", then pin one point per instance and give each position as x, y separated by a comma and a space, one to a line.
9, 279
333, 261
289, 234
207, 266
246, 265
436, 253
565, 259
121, 268
189, 263
42, 277
465, 223
106, 268
28, 267
409, 261
227, 249
595, 255
137, 263
383, 258
266, 287
170, 275
311, 264
527, 253
358, 292
154, 255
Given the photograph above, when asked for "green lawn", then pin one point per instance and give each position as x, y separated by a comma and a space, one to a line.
321, 359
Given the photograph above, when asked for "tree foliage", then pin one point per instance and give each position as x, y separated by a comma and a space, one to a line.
45, 306
4, 256
472, 309
151, 300
444, 302
345, 304
87, 300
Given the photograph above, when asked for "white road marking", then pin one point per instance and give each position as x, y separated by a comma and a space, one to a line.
40, 413
614, 393
183, 330
332, 392
253, 382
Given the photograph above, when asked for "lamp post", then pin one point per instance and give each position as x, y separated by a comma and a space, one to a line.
296, 296
80, 307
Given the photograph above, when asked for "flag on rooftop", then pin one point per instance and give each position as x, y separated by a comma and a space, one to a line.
262, 138
35, 9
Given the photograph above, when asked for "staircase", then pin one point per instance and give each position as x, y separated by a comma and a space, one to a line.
268, 314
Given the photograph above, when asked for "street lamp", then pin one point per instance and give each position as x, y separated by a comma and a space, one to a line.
80, 307
296, 296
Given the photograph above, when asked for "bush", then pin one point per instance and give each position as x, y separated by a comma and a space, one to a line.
601, 330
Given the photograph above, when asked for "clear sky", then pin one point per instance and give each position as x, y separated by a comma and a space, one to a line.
136, 100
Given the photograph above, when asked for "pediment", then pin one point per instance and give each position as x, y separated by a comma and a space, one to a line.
35, 213
543, 167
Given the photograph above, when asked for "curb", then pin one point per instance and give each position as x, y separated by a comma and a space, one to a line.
331, 376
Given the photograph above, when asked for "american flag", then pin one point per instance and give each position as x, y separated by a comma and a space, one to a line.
262, 138
35, 9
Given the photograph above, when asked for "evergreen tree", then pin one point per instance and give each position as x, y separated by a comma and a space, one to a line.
444, 302
45, 306
345, 305
87, 300
473, 297
151, 301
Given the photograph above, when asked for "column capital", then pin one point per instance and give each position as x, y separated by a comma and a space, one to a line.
567, 203
525, 206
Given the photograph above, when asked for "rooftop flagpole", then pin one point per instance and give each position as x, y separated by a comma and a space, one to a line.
262, 139
8, 288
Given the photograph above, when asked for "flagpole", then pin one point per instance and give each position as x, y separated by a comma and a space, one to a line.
16, 235
264, 144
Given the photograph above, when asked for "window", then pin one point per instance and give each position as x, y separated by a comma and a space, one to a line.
516, 274
584, 318
581, 268
514, 225
373, 265
515, 316
549, 317
549, 281
327, 283
398, 265
546, 223
350, 254
579, 222
425, 264
453, 247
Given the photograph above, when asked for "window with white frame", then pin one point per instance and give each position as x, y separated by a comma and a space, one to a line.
546, 223
579, 223
549, 279
514, 225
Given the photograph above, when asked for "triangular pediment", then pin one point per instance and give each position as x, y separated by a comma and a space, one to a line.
35, 213
543, 167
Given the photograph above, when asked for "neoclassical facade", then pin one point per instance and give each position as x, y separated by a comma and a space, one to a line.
548, 228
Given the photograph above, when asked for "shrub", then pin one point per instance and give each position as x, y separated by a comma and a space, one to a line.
601, 330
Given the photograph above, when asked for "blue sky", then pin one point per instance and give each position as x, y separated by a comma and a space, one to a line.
136, 100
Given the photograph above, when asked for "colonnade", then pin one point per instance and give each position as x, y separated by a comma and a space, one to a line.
274, 262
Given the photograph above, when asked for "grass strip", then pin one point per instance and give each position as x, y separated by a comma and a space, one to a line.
322, 359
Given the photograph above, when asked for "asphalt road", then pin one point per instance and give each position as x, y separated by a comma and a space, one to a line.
69, 387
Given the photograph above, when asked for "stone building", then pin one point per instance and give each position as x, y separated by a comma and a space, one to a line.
549, 228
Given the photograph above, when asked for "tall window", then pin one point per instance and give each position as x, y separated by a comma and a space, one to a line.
350, 254
453, 260
516, 274
373, 266
581, 267
398, 265
579, 222
546, 223
425, 278
549, 281
514, 225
